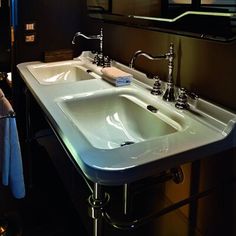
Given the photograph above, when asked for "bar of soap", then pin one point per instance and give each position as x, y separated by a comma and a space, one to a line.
116, 76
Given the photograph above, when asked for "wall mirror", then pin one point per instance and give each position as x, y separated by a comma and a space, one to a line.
209, 19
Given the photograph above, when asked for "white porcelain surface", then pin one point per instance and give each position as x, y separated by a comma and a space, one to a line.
111, 119
92, 118
59, 72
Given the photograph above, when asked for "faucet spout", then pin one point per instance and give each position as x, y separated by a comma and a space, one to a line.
97, 37
84, 36
144, 54
99, 58
169, 94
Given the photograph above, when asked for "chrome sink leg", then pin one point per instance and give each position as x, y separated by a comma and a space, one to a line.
97, 201
126, 199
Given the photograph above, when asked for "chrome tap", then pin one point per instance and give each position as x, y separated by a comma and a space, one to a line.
184, 95
98, 37
148, 56
169, 94
99, 57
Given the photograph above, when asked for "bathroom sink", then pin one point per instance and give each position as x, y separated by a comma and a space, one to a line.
59, 72
118, 135
114, 119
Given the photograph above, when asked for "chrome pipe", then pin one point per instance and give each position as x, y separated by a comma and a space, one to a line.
97, 201
138, 222
126, 198
97, 220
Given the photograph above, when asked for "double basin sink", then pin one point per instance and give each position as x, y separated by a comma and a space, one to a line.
118, 135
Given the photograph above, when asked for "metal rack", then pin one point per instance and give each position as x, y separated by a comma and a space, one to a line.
11, 114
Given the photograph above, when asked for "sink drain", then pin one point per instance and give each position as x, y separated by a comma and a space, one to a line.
126, 143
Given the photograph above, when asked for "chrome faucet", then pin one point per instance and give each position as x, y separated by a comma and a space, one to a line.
169, 94
99, 57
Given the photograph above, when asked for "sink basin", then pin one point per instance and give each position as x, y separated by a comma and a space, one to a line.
59, 72
113, 119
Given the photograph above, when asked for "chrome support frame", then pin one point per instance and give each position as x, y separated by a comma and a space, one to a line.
97, 201
126, 200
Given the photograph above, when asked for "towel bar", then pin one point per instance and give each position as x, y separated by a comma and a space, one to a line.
11, 114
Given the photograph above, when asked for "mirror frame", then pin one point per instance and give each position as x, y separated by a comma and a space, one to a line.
210, 25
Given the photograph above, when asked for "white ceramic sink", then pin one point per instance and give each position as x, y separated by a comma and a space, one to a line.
113, 119
118, 135
59, 72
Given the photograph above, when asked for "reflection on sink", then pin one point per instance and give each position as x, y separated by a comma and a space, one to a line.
59, 72
109, 120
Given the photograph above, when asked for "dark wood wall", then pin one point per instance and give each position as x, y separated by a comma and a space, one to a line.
56, 23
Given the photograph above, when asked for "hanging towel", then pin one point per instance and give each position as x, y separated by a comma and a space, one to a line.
10, 155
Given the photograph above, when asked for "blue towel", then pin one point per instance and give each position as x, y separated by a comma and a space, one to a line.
10, 156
